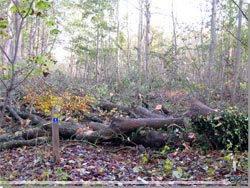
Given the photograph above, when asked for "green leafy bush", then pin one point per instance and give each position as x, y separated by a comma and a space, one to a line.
228, 130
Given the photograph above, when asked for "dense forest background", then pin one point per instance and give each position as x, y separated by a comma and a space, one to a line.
107, 49
206, 58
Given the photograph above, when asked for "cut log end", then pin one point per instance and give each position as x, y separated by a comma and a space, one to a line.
198, 108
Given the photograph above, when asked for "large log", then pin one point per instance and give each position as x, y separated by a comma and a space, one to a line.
98, 136
26, 134
198, 108
134, 111
98, 132
150, 138
106, 105
129, 125
93, 132
145, 113
35, 119
66, 129
19, 143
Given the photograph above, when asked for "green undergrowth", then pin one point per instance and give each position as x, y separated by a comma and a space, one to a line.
226, 130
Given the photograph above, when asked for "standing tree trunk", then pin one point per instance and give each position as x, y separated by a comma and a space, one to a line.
31, 37
147, 17
212, 45
174, 38
128, 40
38, 25
229, 48
139, 45
118, 45
12, 56
18, 45
238, 52
43, 39
203, 51
97, 55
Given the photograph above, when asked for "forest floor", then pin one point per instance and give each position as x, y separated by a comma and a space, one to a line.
87, 162
83, 161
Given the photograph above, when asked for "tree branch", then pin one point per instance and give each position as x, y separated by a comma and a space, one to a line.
245, 16
227, 30
17, 84
5, 54
1, 80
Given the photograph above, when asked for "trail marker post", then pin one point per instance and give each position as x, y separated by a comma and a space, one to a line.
55, 137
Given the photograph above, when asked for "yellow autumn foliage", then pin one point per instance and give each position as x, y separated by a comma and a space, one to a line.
64, 102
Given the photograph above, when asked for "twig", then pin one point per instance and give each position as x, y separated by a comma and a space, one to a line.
19, 83
240, 9
175, 125
3, 83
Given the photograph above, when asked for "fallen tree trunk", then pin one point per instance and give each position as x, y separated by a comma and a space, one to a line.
151, 138
134, 111
145, 113
20, 143
35, 120
198, 108
24, 135
66, 129
128, 125
14, 114
105, 105
97, 132
125, 126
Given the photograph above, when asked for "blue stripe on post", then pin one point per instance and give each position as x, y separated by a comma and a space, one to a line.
55, 120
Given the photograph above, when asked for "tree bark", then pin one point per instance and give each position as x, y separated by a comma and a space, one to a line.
139, 42
147, 17
129, 125
198, 108
238, 53
212, 45
20, 143
118, 45
134, 111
